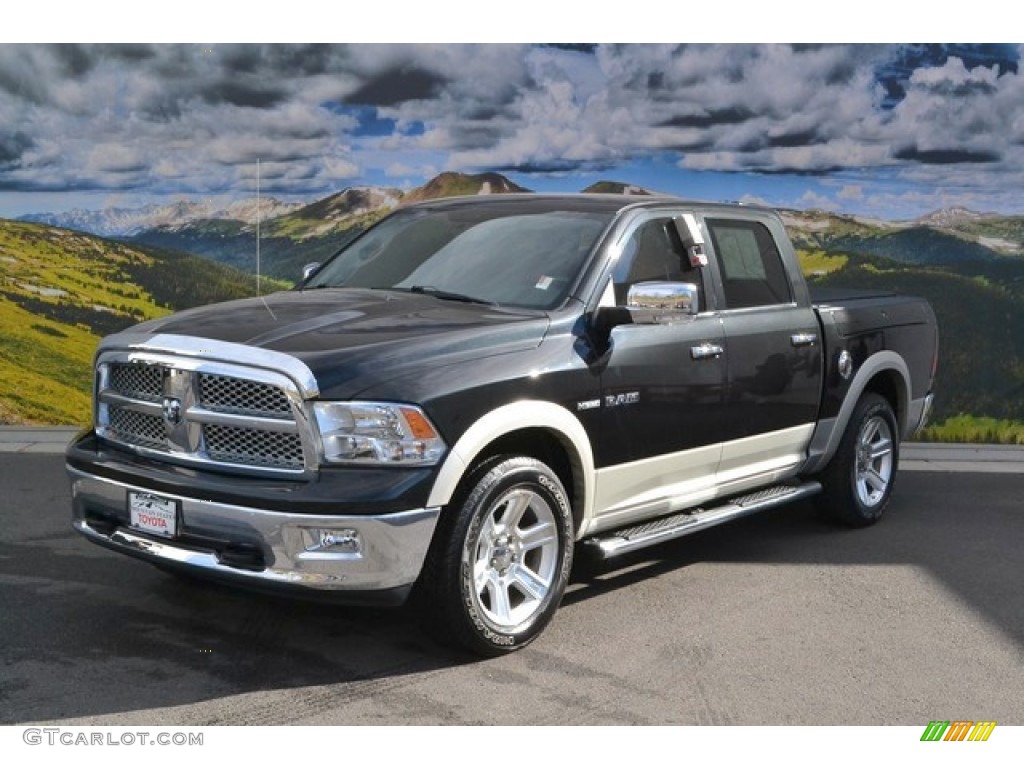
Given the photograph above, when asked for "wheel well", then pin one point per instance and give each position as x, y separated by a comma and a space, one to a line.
888, 384
551, 448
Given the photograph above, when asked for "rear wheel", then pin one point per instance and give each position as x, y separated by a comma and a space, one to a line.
498, 568
859, 480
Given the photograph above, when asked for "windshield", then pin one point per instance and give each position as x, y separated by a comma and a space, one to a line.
494, 254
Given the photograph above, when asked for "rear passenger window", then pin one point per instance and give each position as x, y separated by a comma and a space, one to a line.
752, 271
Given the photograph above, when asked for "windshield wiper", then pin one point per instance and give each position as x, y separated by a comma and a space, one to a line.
437, 293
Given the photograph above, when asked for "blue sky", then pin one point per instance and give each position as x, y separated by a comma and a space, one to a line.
892, 131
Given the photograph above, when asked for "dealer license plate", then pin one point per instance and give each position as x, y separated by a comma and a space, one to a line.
152, 513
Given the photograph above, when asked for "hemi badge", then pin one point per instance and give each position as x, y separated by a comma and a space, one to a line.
586, 405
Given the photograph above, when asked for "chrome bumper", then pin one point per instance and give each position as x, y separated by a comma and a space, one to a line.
386, 554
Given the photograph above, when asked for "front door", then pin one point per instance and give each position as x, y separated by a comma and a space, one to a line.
663, 389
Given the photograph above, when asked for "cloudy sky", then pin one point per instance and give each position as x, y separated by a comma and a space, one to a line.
887, 130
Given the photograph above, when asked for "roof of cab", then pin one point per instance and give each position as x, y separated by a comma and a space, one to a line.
581, 202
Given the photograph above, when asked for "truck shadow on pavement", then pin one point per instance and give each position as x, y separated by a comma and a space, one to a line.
962, 530
90, 635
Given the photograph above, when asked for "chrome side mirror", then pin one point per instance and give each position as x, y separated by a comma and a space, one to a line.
309, 269
653, 303
674, 298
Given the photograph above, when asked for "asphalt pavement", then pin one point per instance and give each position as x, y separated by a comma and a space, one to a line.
774, 619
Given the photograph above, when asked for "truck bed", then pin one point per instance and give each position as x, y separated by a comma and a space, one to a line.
856, 311
840, 295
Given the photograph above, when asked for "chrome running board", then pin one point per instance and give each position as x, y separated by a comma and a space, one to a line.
608, 545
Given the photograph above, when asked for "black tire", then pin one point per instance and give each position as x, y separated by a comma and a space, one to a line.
500, 560
858, 482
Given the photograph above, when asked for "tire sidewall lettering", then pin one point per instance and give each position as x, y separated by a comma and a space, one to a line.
526, 477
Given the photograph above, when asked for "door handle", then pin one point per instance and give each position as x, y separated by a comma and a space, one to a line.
803, 339
706, 352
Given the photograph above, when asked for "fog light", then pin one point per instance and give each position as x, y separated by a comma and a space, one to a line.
344, 541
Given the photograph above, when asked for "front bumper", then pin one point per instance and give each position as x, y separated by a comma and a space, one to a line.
263, 548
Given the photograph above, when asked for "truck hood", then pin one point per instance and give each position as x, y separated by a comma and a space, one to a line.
353, 338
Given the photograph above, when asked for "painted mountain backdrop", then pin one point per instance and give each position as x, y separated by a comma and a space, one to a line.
898, 165
124, 222
63, 289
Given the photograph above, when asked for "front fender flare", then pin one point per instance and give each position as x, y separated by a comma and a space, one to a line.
524, 414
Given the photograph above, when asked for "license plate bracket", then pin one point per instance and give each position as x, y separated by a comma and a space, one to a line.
152, 513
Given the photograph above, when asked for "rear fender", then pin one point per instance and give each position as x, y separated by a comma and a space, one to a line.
829, 432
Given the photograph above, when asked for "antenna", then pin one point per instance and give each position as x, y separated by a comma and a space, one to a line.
258, 291
258, 227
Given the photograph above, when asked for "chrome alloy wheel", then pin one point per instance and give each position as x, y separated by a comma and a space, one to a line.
514, 559
874, 467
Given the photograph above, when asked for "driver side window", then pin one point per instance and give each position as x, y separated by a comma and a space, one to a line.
654, 253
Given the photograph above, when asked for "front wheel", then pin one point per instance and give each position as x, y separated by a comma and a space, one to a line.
500, 565
858, 481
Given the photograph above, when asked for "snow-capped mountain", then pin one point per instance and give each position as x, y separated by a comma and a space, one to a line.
249, 209
126, 222
950, 217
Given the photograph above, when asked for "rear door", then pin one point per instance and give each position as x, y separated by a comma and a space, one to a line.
774, 362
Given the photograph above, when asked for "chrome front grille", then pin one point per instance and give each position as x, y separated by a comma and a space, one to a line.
238, 445
228, 394
211, 414
137, 428
145, 382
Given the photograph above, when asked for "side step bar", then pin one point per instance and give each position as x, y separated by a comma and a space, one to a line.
607, 545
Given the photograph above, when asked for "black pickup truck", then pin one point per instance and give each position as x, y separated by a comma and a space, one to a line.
476, 389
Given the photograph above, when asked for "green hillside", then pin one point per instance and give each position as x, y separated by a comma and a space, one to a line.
281, 257
931, 240
1002, 233
980, 373
971, 274
914, 245
61, 291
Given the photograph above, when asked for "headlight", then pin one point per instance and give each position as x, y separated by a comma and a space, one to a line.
377, 433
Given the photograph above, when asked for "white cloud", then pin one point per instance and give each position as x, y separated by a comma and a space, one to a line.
115, 158
811, 199
168, 169
399, 169
181, 120
396, 170
951, 112
340, 168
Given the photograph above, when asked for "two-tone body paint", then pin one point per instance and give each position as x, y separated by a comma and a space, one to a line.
648, 427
